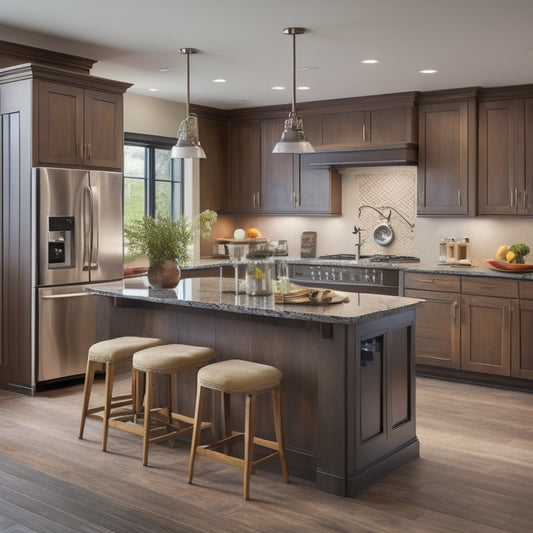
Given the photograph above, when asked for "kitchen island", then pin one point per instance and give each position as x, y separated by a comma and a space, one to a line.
348, 388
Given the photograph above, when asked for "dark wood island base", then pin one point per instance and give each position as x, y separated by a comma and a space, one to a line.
348, 388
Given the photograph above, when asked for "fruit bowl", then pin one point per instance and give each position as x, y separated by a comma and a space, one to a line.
504, 266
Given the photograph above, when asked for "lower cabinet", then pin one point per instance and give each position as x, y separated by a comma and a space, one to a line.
438, 318
476, 324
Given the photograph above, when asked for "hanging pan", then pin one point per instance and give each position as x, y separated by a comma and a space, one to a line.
383, 234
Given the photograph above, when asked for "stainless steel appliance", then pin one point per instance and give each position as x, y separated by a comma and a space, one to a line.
79, 241
345, 275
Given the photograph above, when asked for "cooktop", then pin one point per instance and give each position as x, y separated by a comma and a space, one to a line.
377, 258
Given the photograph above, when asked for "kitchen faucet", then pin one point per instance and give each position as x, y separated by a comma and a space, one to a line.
358, 244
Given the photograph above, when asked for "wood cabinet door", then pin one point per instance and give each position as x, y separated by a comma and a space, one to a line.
443, 159
103, 129
344, 128
244, 166
527, 195
501, 157
522, 358
59, 124
486, 334
278, 172
438, 328
213, 167
319, 190
390, 126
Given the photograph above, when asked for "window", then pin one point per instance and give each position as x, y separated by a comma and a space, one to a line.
153, 182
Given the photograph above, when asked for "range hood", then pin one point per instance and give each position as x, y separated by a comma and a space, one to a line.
404, 154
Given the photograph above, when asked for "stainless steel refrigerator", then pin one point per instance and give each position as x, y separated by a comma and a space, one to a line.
79, 241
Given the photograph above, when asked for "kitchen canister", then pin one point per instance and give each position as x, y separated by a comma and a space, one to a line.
260, 277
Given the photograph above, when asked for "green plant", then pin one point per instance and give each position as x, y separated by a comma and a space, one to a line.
160, 239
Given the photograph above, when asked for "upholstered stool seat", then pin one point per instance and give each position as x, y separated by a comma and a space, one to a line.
109, 353
248, 379
168, 359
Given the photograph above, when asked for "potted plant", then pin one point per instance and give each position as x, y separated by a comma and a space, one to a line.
165, 243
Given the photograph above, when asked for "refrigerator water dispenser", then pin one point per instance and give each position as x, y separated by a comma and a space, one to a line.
60, 242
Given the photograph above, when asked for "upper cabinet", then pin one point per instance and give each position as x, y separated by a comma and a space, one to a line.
446, 153
345, 129
77, 120
243, 193
505, 160
76, 126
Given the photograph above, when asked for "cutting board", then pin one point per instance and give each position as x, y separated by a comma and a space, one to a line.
308, 244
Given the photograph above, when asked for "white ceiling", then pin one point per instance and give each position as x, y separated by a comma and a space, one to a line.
470, 42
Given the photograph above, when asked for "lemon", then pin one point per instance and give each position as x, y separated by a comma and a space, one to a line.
510, 257
502, 250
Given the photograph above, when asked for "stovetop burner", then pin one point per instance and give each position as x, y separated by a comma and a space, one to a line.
377, 258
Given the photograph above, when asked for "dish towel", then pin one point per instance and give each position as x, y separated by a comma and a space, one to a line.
312, 297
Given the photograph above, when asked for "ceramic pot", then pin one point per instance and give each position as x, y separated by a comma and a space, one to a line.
164, 274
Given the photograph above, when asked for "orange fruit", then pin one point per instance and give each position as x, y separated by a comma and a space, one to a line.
253, 233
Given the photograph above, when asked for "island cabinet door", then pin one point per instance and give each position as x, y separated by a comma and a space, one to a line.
522, 357
380, 395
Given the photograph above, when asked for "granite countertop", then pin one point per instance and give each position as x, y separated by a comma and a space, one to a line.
218, 294
424, 267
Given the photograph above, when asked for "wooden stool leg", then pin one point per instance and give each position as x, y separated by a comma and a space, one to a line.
147, 409
109, 377
249, 429
87, 387
278, 424
195, 441
135, 394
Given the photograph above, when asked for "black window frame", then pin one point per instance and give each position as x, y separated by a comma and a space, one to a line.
152, 143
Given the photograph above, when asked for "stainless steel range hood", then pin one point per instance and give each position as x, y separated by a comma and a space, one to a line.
405, 154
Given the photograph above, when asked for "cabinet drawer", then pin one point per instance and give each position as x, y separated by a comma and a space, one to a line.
526, 289
505, 288
432, 282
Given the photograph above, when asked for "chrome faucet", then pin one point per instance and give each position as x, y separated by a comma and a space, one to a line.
358, 244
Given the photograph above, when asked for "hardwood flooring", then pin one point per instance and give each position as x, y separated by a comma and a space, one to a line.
475, 474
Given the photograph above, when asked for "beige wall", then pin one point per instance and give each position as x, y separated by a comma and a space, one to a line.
152, 116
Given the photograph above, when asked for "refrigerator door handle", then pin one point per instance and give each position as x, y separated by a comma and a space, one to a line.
87, 227
68, 295
95, 226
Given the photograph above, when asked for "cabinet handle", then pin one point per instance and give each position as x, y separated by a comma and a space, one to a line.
516, 197
455, 305
424, 280
81, 152
459, 197
525, 200
253, 200
88, 151
364, 133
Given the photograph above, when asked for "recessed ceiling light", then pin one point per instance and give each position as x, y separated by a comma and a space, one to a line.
278, 88
303, 88
220, 80
166, 69
153, 90
308, 68
369, 61
428, 71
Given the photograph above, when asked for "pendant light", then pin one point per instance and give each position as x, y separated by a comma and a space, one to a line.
188, 145
293, 139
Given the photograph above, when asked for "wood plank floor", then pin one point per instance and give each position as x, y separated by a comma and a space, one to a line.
475, 474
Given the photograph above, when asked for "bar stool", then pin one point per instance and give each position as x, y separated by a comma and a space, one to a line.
110, 352
168, 359
247, 379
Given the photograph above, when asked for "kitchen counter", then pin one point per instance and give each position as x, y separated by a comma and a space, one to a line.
348, 387
217, 294
428, 267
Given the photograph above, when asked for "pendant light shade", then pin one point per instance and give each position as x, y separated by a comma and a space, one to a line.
188, 145
293, 140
